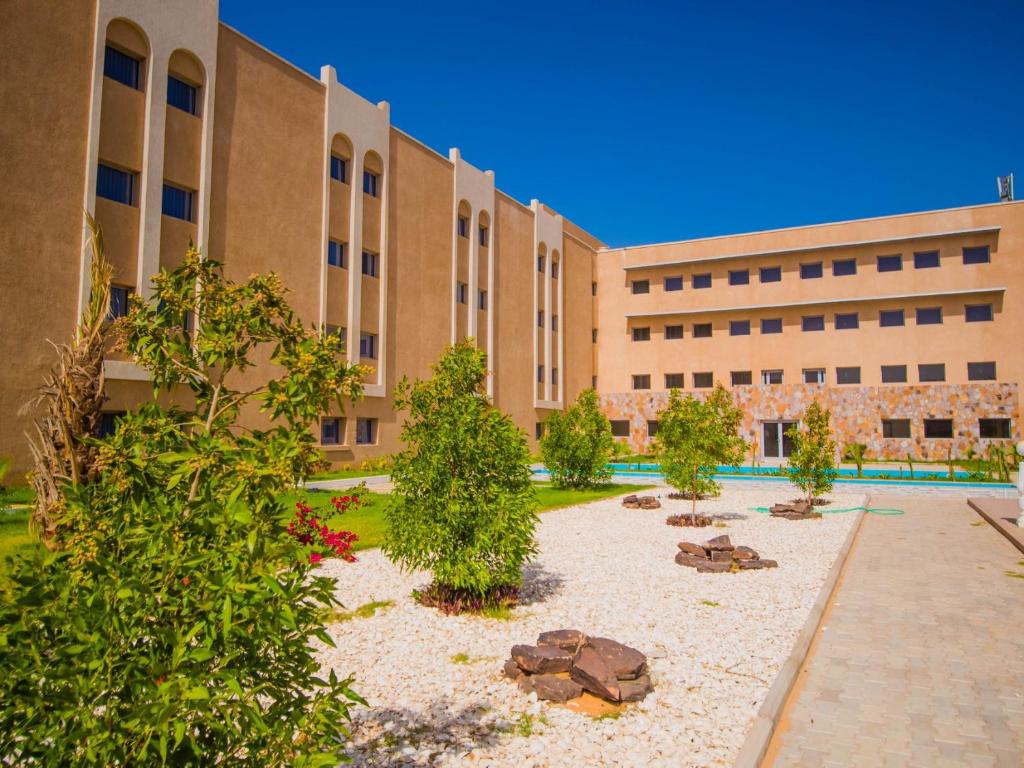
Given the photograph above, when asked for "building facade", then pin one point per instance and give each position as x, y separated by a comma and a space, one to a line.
172, 132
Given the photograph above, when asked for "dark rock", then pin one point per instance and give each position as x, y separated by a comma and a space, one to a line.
566, 639
511, 670
753, 565
688, 521
625, 662
721, 556
693, 549
708, 566
541, 659
641, 502
592, 672
769, 563
719, 544
552, 688
744, 553
685, 558
635, 690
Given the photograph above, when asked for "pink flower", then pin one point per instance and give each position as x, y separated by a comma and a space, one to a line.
314, 558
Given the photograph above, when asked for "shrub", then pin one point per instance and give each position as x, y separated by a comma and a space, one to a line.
578, 444
174, 622
812, 463
855, 452
463, 505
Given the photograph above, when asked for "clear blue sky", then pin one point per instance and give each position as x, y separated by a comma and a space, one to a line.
652, 121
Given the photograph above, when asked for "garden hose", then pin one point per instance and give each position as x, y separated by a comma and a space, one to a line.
869, 510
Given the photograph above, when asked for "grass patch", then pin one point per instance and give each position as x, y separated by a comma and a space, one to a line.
1015, 574
609, 715
364, 611
550, 497
346, 474
14, 538
460, 658
720, 524
710, 603
980, 522
497, 612
524, 725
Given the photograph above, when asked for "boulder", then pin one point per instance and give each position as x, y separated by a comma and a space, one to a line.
693, 549
753, 565
719, 544
511, 670
538, 660
708, 566
566, 639
635, 690
685, 558
625, 662
552, 687
744, 553
592, 672
721, 556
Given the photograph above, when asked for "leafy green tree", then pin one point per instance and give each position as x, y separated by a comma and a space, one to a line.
173, 624
463, 505
578, 444
812, 463
855, 452
694, 438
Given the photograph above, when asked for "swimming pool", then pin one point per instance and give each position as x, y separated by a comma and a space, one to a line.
896, 473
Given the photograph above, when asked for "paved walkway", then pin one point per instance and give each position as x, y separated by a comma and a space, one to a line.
921, 658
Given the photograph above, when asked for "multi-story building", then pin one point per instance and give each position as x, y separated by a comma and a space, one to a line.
171, 131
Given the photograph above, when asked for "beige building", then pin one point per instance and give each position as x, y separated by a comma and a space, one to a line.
904, 325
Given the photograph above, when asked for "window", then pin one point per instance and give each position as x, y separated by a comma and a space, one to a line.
540, 374
538, 430
540, 318
978, 313
926, 260
593, 382
741, 378
894, 374
812, 323
554, 375
331, 431
182, 95
641, 334
620, 428
814, 375
119, 296
593, 289
366, 431
674, 381
108, 423
938, 429
702, 330
976, 254
846, 321
998, 429
481, 301
335, 331
122, 67
771, 274
641, 381
896, 428
701, 281
848, 375
178, 203
554, 322
771, 325
540, 263
931, 372
460, 292
371, 264
336, 254
739, 327
554, 270
463, 227
703, 380
484, 237
771, 377
368, 345
641, 286
929, 315
673, 283
890, 263
673, 332
888, 318
844, 267
115, 184
981, 371
371, 183
652, 428
593, 335
739, 276
339, 169
810, 271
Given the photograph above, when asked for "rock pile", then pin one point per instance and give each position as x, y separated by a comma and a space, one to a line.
641, 502
565, 663
718, 555
692, 521
795, 510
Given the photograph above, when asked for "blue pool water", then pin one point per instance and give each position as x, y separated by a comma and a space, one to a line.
896, 473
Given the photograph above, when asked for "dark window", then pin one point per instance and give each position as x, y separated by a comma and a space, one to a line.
926, 260
368, 345
702, 330
888, 318
540, 264
771, 274
981, 371
554, 322
929, 315
741, 378
771, 325
178, 203
538, 430
483, 234
182, 95
339, 169
810, 271
978, 313
739, 277
938, 428
330, 431
115, 184
460, 292
554, 270
540, 374
119, 296
593, 335
641, 334
994, 428
894, 374
771, 377
674, 381
847, 320
703, 380
108, 423
641, 286
481, 300
593, 382
370, 264
540, 318
739, 327
844, 267
931, 372
463, 227
895, 427
620, 428
673, 332
554, 375
122, 67
593, 289
652, 428
673, 283
976, 254
814, 375
366, 431
890, 263
848, 374
701, 281
336, 254
812, 323
371, 183
641, 381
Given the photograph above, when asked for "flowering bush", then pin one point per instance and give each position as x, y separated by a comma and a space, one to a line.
309, 531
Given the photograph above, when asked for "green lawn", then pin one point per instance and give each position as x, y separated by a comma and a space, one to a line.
367, 521
556, 498
14, 536
345, 474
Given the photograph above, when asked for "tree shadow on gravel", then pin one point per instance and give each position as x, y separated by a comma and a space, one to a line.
728, 516
539, 584
384, 736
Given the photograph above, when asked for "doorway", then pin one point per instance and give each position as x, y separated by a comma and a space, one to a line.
775, 443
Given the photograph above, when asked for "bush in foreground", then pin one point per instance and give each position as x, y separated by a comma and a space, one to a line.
578, 444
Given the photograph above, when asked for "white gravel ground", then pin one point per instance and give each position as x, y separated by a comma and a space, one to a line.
609, 572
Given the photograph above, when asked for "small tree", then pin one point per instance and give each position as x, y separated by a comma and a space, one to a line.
578, 444
812, 463
855, 452
463, 505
